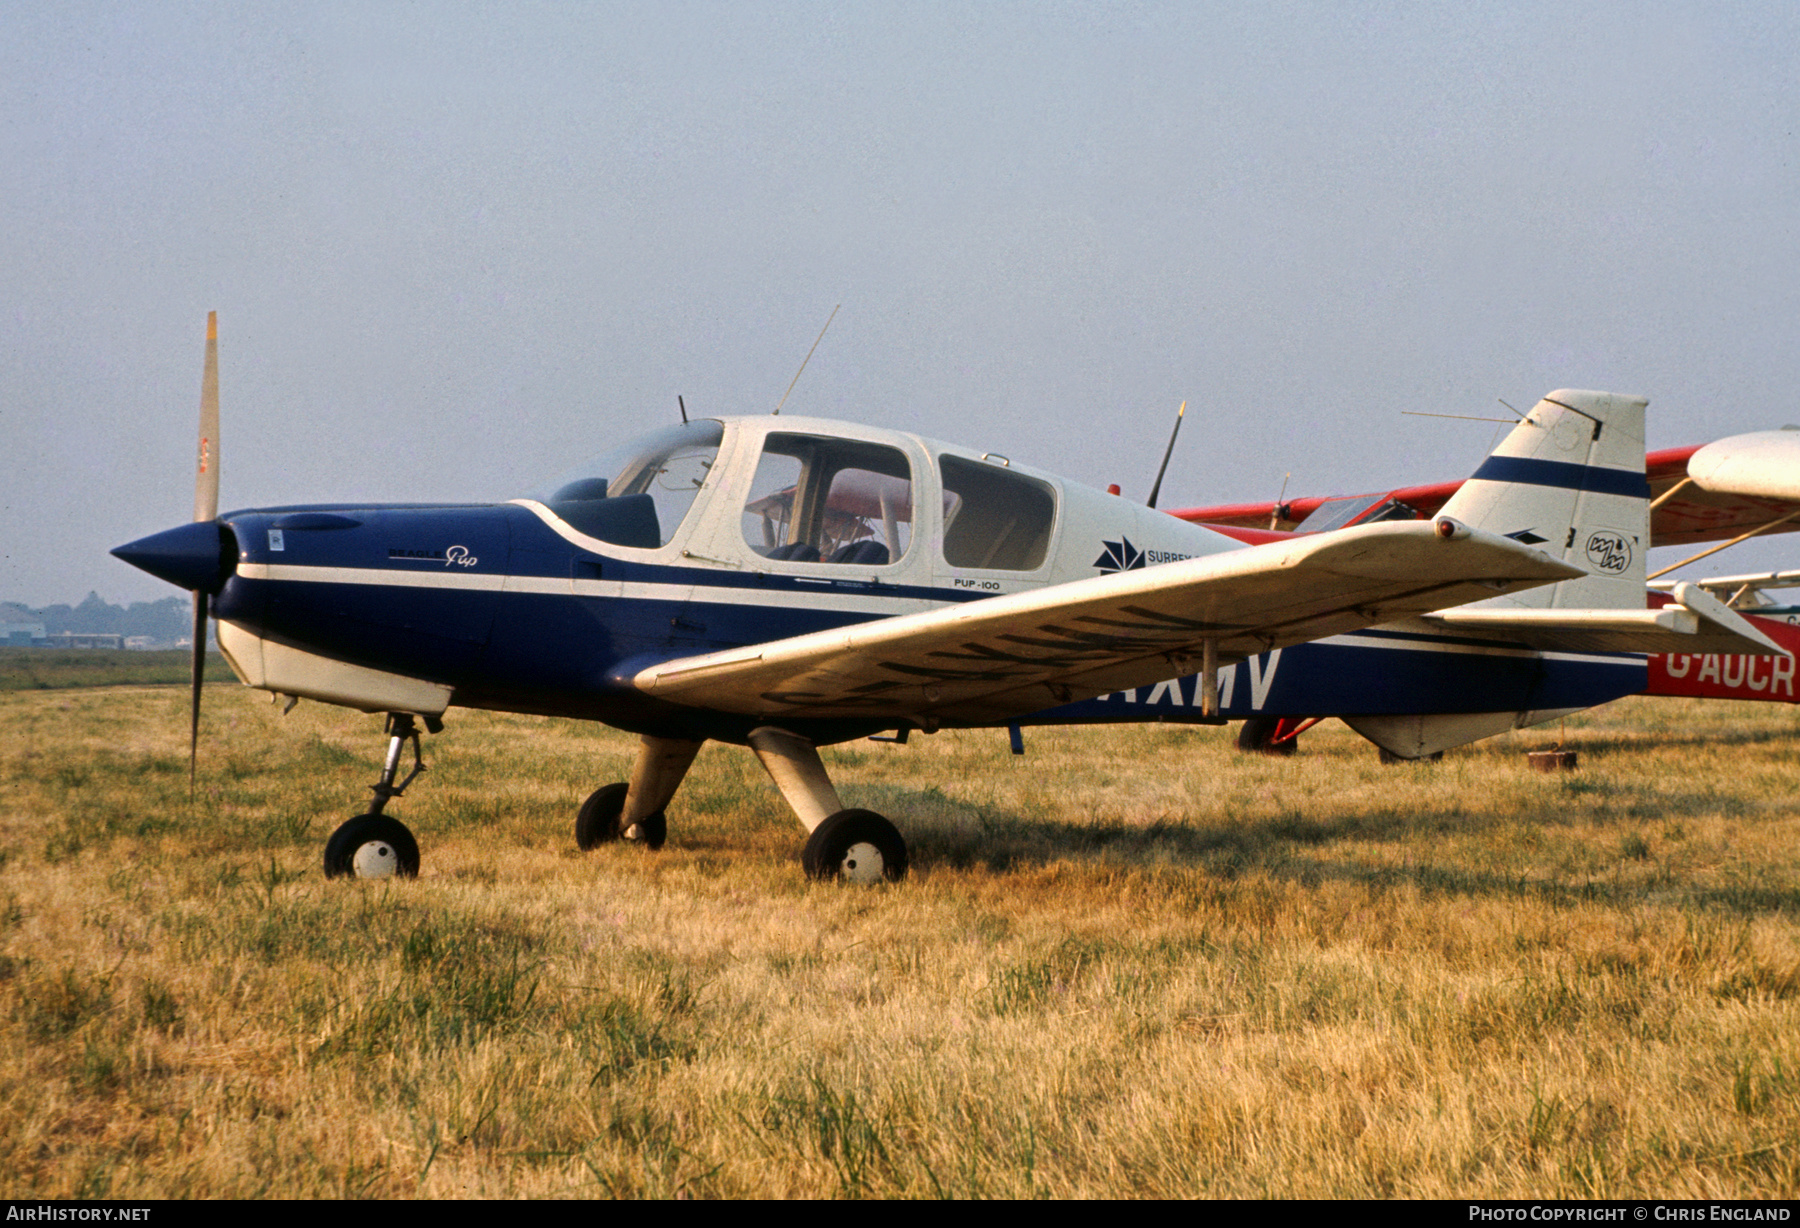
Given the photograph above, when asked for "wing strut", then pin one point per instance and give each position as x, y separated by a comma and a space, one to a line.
1763, 528
1209, 677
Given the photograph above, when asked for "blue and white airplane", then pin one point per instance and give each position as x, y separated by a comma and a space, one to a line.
785, 583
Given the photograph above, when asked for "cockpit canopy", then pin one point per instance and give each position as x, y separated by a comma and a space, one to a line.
812, 497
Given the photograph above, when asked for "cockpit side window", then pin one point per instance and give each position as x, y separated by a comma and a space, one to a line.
820, 500
639, 494
1002, 519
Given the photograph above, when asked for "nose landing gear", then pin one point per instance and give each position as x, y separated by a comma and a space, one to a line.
374, 844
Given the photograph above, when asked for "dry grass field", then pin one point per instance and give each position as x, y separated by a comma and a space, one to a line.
1131, 963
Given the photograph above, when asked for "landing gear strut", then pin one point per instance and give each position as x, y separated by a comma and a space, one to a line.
1273, 735
857, 846
634, 810
374, 844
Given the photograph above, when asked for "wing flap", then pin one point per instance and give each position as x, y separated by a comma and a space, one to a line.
1088, 637
1695, 621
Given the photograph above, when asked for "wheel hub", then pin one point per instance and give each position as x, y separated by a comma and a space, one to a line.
863, 863
375, 859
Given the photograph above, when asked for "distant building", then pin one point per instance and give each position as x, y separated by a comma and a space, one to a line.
21, 635
81, 639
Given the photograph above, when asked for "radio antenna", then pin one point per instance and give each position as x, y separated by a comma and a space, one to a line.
1419, 413
1156, 486
807, 359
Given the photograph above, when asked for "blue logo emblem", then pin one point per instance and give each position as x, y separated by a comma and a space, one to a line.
1119, 556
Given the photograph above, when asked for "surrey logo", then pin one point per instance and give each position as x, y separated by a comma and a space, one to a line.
1119, 556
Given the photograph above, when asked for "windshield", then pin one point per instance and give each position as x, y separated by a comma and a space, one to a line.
638, 494
1336, 513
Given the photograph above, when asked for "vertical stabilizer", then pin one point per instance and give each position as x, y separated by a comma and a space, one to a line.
1570, 481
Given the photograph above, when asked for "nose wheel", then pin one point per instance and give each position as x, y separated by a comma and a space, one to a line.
372, 846
377, 845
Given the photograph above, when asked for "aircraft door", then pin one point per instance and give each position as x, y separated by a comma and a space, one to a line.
826, 527
839, 502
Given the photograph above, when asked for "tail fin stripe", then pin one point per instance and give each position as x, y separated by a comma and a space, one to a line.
1528, 471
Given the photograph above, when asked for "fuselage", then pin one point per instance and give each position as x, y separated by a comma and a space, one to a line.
734, 532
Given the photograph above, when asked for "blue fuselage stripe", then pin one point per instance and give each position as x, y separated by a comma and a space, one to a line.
1528, 471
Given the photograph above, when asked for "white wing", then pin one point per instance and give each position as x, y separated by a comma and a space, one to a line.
1002, 657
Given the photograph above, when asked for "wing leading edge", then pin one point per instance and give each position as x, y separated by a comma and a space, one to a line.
1004, 657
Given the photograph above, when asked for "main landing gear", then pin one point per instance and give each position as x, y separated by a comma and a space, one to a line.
377, 845
843, 845
633, 810
1273, 735
857, 846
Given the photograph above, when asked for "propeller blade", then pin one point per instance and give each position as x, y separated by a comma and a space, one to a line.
1169, 451
206, 477
206, 507
199, 672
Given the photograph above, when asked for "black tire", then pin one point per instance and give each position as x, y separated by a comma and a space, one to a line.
598, 821
832, 853
1257, 737
379, 829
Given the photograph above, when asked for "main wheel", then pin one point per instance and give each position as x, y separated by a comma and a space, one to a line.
857, 846
1257, 736
598, 821
372, 846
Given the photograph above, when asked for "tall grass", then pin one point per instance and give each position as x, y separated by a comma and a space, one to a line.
1130, 963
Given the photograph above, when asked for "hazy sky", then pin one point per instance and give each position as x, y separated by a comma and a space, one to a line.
455, 249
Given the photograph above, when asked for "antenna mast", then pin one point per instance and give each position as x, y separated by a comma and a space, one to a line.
807, 359
1156, 487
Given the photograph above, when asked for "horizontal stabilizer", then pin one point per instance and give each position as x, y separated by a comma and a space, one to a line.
1695, 621
1011, 655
